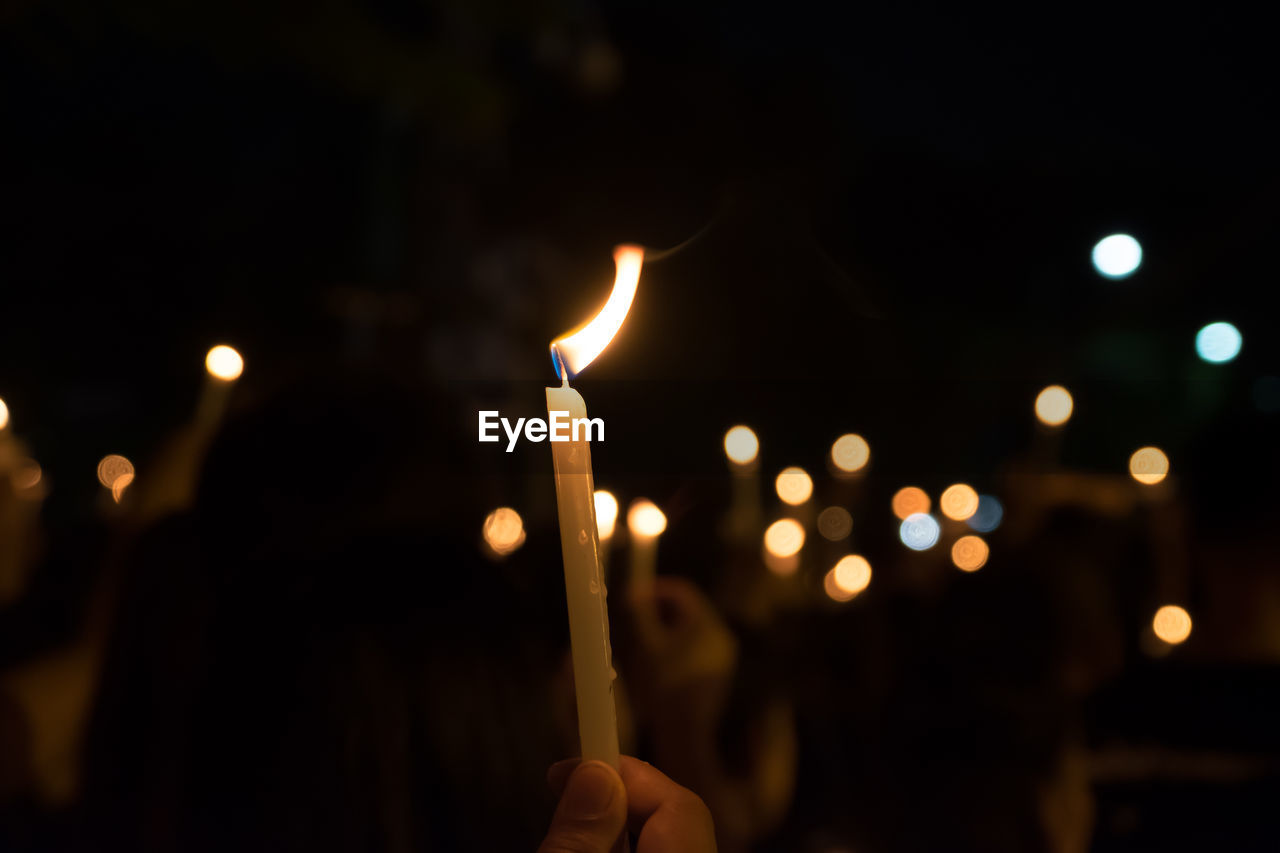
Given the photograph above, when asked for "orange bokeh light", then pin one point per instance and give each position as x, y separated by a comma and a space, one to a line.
1172, 624
850, 453
910, 500
958, 502
969, 553
503, 530
1149, 465
794, 486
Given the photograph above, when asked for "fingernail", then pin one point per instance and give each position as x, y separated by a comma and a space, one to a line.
590, 791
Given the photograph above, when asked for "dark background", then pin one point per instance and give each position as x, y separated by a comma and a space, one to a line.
891, 209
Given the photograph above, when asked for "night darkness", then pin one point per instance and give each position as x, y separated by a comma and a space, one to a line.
294, 628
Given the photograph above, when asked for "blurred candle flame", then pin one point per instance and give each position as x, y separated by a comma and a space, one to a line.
1149, 465
572, 352
969, 553
958, 502
645, 520
121, 483
503, 530
850, 453
784, 538
1054, 405
606, 513
910, 500
794, 486
4, 414
741, 445
111, 468
1172, 624
224, 363
849, 577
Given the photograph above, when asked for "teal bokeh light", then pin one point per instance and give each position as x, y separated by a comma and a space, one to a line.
1117, 256
1218, 342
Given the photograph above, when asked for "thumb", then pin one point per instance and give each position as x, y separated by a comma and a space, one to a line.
591, 814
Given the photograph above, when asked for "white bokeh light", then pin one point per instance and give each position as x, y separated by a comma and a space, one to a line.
1117, 256
919, 531
1218, 343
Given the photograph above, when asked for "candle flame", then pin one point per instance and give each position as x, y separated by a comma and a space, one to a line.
224, 363
645, 520
606, 514
572, 352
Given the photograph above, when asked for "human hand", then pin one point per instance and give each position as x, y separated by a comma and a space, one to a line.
597, 802
682, 641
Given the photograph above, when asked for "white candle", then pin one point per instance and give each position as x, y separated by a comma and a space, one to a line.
579, 537
584, 586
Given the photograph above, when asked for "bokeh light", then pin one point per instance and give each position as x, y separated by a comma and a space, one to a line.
835, 523
850, 453
989, 515
1218, 343
1054, 405
503, 530
27, 476
910, 500
1149, 465
784, 538
850, 576
4, 414
741, 445
645, 520
112, 468
224, 363
958, 502
919, 531
1172, 624
122, 482
606, 513
969, 553
794, 486
1117, 256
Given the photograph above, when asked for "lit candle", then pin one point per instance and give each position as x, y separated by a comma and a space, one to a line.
1053, 408
579, 536
742, 448
645, 523
223, 366
606, 520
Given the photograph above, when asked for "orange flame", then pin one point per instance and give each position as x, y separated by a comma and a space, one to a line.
571, 352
